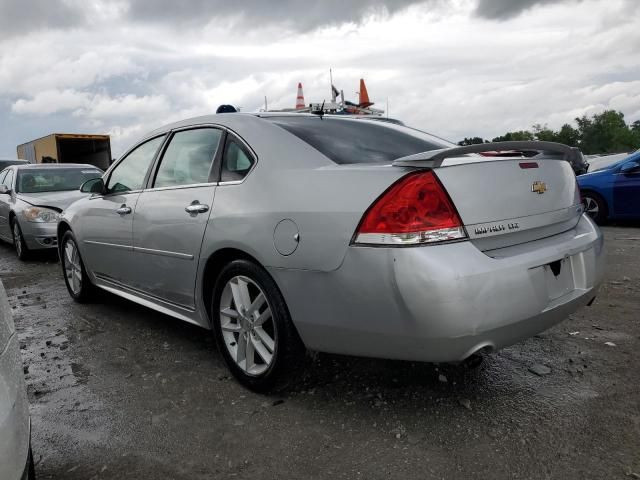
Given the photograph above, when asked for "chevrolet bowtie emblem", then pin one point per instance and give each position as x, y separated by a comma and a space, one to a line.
538, 187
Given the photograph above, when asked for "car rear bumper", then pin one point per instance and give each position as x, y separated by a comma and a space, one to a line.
443, 303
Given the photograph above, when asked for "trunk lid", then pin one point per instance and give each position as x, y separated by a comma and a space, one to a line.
505, 201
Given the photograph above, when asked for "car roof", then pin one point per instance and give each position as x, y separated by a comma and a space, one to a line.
35, 166
230, 119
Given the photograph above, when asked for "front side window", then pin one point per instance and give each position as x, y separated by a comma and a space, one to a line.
130, 173
36, 180
236, 162
2, 175
188, 158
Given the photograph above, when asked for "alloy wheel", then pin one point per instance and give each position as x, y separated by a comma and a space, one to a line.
248, 328
72, 267
591, 207
17, 238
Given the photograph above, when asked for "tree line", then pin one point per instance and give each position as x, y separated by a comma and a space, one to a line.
605, 132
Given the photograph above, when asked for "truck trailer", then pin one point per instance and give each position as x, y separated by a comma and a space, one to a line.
68, 148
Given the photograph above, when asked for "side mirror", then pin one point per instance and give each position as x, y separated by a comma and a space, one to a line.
4, 190
95, 185
630, 167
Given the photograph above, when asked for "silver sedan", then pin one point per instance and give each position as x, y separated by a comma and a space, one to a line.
284, 232
32, 197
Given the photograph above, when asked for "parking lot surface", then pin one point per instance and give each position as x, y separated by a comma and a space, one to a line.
118, 391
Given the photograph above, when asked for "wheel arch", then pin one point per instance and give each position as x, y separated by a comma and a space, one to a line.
63, 227
595, 193
213, 265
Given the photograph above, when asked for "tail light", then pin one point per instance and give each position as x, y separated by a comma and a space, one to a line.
414, 210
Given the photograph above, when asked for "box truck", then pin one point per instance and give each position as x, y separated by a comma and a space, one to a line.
68, 148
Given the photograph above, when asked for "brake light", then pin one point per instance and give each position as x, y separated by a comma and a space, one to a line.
526, 165
414, 210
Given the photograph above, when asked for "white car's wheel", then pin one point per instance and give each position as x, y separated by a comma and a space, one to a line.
252, 326
18, 241
75, 276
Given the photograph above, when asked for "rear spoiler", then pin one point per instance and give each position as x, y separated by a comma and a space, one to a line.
436, 157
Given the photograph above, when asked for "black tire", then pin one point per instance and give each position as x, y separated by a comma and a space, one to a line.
288, 353
86, 291
31, 469
595, 206
22, 251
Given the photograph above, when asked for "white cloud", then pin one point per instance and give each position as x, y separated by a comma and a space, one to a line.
51, 101
442, 66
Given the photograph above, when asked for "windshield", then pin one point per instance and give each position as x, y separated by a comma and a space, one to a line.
348, 141
37, 180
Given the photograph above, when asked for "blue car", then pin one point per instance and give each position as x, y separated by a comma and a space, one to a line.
613, 193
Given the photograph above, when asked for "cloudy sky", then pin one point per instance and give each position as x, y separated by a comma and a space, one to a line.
456, 68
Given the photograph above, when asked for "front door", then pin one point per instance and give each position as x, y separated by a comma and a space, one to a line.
171, 217
107, 225
626, 192
5, 205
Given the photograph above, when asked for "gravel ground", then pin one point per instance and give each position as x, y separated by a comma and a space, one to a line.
118, 391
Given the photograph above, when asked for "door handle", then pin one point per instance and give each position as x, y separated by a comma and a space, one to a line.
196, 207
123, 210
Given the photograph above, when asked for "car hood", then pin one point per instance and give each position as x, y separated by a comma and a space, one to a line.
59, 200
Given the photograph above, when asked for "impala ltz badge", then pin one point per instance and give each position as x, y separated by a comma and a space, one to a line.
538, 187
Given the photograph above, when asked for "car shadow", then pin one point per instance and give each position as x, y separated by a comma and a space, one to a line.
44, 255
332, 376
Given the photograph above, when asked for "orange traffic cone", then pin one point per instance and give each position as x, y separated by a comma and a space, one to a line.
364, 101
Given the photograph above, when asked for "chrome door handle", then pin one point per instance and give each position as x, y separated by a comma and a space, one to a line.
123, 210
196, 207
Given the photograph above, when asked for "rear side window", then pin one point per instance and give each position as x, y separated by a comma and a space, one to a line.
236, 163
188, 158
347, 141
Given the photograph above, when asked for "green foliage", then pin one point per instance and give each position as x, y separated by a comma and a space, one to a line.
519, 135
472, 141
605, 132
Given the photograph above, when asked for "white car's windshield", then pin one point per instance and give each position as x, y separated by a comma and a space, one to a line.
53, 179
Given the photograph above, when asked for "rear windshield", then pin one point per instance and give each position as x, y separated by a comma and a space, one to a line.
38, 180
347, 141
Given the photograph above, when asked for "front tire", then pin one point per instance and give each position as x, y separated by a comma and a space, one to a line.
75, 275
595, 206
253, 328
18, 241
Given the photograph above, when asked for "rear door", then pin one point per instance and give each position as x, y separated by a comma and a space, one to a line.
172, 214
106, 225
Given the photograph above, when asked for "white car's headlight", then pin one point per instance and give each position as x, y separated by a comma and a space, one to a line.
41, 215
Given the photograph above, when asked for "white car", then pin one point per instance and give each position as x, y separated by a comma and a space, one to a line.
16, 461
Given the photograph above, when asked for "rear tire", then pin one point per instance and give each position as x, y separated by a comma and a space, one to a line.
31, 472
18, 241
595, 206
75, 275
253, 328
